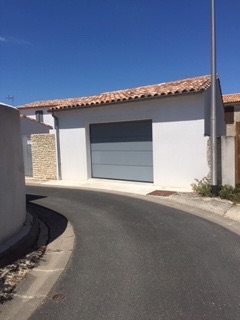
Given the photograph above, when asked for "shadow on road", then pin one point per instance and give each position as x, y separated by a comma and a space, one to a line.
31, 197
56, 222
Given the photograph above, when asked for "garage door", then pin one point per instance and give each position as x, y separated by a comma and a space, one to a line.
122, 151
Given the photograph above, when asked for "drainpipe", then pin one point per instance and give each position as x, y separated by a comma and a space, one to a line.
56, 124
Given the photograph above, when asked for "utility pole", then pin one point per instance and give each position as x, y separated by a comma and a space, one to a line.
214, 182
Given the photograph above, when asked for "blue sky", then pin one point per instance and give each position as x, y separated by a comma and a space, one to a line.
52, 49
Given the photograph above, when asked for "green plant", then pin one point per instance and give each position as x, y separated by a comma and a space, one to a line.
202, 187
230, 193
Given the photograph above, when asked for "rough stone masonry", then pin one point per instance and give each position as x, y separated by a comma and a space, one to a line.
44, 156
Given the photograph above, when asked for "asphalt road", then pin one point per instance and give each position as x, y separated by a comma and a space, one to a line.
135, 260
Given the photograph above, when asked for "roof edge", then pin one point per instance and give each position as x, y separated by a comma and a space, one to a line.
58, 109
171, 88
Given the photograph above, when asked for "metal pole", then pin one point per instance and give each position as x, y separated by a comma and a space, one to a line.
214, 186
59, 167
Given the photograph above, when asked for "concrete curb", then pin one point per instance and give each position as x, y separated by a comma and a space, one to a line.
233, 213
18, 245
221, 207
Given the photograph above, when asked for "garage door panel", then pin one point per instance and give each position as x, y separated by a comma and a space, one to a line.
130, 158
119, 138
122, 150
125, 172
125, 131
123, 146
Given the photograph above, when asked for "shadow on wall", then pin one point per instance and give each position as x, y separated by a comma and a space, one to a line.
56, 222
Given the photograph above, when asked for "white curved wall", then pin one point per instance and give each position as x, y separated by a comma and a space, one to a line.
12, 183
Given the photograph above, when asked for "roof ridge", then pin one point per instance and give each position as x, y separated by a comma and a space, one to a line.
152, 85
231, 94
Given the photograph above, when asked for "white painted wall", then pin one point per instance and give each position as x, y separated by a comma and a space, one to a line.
47, 117
29, 127
12, 183
179, 144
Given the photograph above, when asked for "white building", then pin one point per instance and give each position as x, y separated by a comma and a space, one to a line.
156, 134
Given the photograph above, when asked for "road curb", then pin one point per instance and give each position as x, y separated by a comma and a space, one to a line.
31, 292
217, 206
19, 244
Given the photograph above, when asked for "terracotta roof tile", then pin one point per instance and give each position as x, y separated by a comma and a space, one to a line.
171, 88
189, 85
231, 98
43, 104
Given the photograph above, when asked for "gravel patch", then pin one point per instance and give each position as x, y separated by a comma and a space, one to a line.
12, 274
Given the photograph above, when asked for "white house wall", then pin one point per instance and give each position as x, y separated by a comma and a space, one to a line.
179, 145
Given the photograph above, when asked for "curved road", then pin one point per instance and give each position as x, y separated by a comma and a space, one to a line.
136, 259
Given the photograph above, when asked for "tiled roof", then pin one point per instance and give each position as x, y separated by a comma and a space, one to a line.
23, 116
179, 87
43, 104
231, 98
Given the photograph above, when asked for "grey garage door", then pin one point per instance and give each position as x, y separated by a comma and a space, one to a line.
122, 150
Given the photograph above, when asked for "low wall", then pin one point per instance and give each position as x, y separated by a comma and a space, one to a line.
44, 156
12, 183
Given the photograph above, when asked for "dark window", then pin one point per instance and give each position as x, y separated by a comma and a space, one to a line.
39, 116
229, 115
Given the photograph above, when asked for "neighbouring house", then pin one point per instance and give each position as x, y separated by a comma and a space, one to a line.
30, 126
157, 134
232, 119
39, 139
232, 112
39, 110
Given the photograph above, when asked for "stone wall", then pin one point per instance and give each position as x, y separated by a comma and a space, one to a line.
231, 130
44, 156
